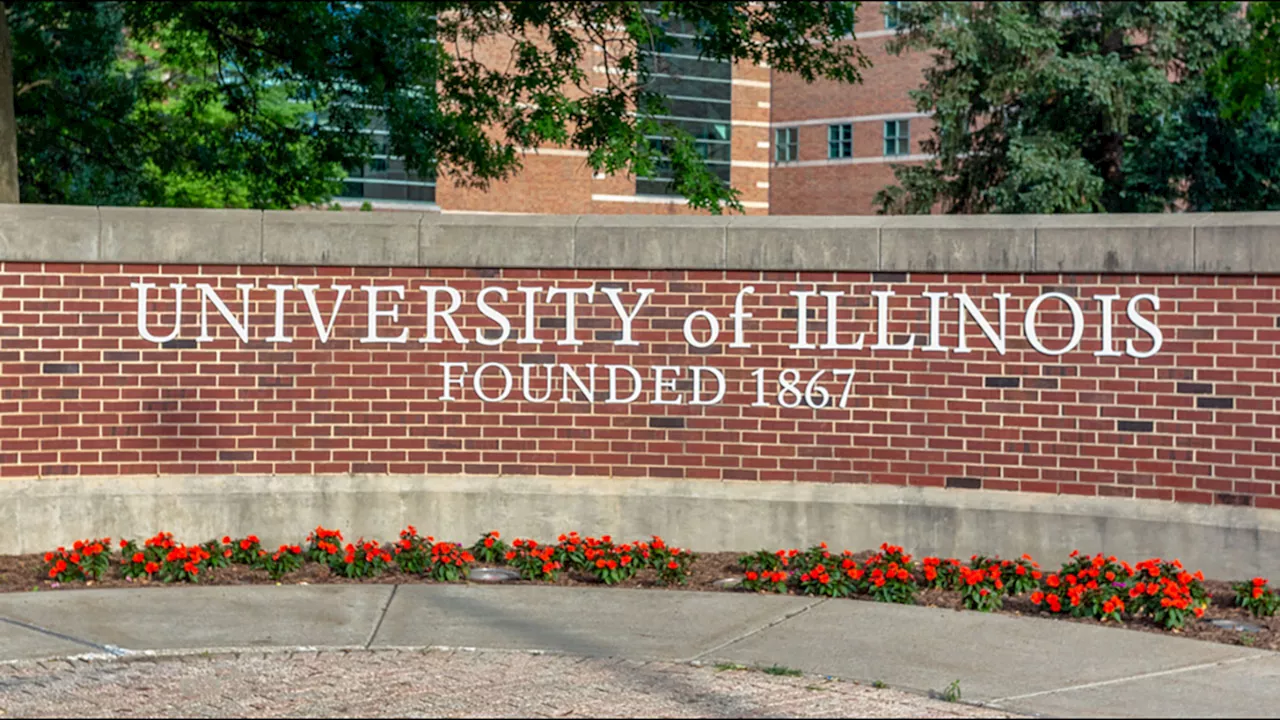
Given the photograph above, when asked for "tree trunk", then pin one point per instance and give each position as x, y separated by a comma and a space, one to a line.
8, 126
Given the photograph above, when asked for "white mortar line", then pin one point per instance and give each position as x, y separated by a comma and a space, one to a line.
1131, 678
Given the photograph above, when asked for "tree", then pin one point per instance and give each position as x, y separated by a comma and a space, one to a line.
1248, 72
259, 103
1052, 107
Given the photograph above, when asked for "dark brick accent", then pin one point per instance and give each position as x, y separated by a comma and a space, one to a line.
275, 382
1215, 403
623, 286
551, 322
1191, 388
120, 356
1069, 291
538, 359
610, 335
1003, 382
1060, 370
793, 313
235, 455
1233, 499
179, 344
485, 272
60, 368
888, 277
967, 483
666, 422
1042, 383
1135, 426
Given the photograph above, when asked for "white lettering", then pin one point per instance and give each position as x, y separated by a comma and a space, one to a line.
309, 292
570, 315
460, 381
1077, 323
802, 320
142, 289
375, 313
477, 382
697, 385
882, 324
207, 293
1108, 345
712, 324
455, 301
660, 383
626, 317
968, 308
831, 344
613, 384
1157, 337
738, 316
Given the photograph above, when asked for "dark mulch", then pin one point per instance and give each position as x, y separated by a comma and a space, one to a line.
22, 573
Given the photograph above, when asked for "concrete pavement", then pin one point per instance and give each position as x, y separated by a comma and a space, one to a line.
1026, 665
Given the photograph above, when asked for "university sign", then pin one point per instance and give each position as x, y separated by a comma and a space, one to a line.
819, 317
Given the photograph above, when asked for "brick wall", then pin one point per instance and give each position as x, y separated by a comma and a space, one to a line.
82, 394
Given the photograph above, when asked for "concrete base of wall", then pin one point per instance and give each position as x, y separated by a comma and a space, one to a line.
1224, 542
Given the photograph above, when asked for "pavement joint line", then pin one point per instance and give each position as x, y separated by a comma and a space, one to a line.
108, 649
749, 633
381, 616
1130, 678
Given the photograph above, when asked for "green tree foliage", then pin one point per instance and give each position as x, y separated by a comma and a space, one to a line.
261, 104
1069, 107
1247, 73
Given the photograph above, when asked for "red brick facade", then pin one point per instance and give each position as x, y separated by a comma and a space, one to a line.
81, 393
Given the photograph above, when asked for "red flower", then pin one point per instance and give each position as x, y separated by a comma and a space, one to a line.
152, 568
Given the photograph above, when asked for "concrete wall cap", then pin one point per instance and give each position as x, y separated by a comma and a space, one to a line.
1223, 243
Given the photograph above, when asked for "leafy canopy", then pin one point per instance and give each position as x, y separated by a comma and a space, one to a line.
262, 104
1068, 107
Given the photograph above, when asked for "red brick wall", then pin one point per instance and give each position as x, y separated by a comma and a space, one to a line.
82, 394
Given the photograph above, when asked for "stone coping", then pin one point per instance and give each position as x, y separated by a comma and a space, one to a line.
1211, 243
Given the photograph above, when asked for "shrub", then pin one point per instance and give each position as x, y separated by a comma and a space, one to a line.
982, 589
449, 562
245, 550
182, 563
282, 562
941, 574
1084, 585
413, 552
324, 547
1257, 597
363, 559
1019, 577
86, 560
490, 548
1167, 593
612, 564
889, 574
821, 573
219, 552
766, 571
533, 562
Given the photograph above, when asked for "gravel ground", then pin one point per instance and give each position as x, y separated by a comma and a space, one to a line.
433, 684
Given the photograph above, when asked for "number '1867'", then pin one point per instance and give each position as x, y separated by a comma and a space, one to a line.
792, 394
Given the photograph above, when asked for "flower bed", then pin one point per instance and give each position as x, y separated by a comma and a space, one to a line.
1155, 594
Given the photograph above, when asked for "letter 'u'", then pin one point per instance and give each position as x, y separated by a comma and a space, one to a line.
142, 289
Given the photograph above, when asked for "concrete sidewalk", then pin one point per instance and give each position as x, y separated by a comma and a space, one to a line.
1025, 665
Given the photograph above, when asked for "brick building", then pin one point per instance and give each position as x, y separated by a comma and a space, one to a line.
790, 147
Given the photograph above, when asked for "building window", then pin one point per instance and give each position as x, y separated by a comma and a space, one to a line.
840, 141
698, 94
786, 144
897, 137
890, 10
